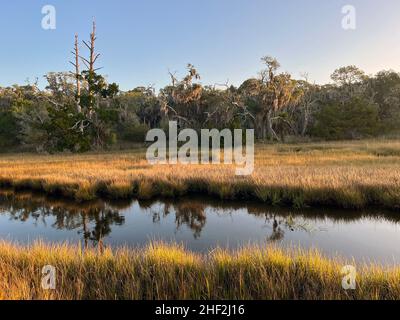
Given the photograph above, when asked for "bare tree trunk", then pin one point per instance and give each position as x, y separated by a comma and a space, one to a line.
90, 63
77, 77
271, 134
305, 122
259, 127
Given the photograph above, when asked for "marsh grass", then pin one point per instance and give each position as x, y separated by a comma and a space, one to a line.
352, 174
168, 271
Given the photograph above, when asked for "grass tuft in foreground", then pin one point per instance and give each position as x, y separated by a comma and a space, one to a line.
163, 271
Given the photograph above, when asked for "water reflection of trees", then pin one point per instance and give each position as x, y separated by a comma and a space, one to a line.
280, 224
187, 213
92, 220
192, 214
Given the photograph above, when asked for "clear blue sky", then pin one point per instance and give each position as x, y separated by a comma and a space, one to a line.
140, 41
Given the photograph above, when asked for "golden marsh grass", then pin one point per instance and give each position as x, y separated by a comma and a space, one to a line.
168, 271
341, 174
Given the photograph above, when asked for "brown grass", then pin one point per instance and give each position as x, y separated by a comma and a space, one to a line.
345, 174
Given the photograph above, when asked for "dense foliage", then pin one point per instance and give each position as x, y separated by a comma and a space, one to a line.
81, 111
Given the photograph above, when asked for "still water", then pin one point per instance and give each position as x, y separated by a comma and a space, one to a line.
201, 224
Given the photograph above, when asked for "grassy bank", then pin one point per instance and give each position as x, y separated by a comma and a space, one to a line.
338, 174
163, 271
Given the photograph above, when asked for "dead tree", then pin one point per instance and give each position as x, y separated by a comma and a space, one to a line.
90, 64
77, 75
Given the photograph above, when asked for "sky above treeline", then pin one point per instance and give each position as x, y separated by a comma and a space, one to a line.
140, 41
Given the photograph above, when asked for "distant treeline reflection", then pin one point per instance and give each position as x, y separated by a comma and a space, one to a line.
94, 220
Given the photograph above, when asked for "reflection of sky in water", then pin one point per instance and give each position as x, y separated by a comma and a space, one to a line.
201, 225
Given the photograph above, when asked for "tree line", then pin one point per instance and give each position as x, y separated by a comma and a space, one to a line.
80, 111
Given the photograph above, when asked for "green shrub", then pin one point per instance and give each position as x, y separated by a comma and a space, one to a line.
134, 132
355, 119
8, 130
